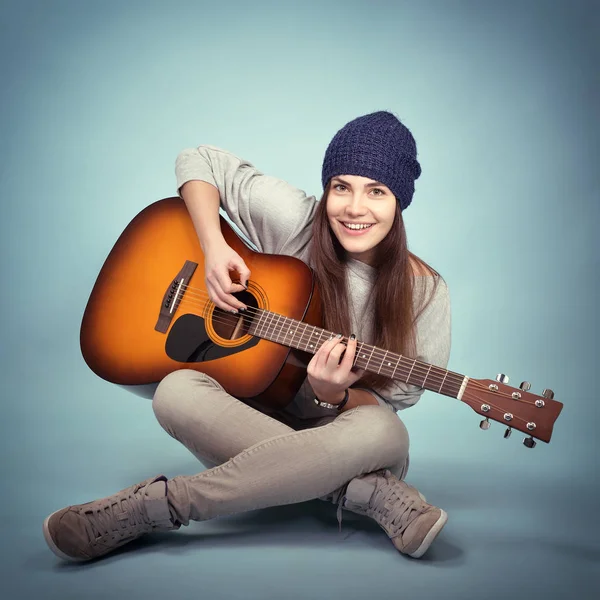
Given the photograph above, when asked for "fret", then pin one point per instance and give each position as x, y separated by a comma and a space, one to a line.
397, 365
426, 376
258, 327
273, 328
314, 343
265, 325
370, 356
270, 324
383, 360
286, 331
319, 342
442, 384
305, 342
274, 320
278, 329
313, 346
411, 370
357, 354
362, 345
296, 342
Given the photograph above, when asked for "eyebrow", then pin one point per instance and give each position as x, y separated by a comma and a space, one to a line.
368, 185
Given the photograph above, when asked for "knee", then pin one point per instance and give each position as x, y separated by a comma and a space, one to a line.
378, 430
175, 389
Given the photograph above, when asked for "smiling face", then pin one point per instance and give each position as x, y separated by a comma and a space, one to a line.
361, 212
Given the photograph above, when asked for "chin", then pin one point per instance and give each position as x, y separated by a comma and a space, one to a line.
358, 250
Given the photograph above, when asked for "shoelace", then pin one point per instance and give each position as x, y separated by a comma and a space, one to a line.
392, 506
118, 517
386, 499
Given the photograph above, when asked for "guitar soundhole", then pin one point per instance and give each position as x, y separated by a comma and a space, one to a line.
188, 339
232, 327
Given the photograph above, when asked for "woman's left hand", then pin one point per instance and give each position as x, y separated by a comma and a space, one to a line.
330, 378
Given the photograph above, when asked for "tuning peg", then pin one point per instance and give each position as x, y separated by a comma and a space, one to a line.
485, 424
507, 433
548, 394
502, 378
529, 442
525, 386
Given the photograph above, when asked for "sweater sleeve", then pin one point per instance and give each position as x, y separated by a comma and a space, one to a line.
433, 343
272, 214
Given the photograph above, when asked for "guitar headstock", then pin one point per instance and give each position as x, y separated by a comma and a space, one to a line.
516, 408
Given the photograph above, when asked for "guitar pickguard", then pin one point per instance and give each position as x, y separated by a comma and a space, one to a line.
188, 341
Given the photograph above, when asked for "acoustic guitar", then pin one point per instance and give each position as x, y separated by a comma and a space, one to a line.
149, 314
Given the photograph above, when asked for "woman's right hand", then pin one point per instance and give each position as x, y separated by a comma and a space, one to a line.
219, 260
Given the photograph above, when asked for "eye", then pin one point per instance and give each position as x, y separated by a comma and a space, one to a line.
379, 190
339, 185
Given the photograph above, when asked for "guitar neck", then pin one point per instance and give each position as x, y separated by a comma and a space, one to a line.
308, 338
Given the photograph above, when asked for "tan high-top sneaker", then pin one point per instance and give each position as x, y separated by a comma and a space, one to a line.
87, 531
398, 508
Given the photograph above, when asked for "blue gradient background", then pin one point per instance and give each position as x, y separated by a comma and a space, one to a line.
97, 100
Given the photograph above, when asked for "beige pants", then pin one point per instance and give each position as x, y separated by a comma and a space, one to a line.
258, 461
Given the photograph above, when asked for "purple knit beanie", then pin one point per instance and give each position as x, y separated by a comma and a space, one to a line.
377, 146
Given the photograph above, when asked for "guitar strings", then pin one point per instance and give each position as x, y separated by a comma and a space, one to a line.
420, 366
468, 396
231, 320
376, 353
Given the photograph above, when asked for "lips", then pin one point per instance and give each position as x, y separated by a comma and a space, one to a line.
358, 226
349, 232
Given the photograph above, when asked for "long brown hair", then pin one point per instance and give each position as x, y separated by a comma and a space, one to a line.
394, 315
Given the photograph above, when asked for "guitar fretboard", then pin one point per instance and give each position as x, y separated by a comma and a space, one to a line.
296, 334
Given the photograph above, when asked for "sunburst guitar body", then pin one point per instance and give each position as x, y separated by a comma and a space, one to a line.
149, 312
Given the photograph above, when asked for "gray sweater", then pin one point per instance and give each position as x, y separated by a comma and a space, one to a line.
277, 218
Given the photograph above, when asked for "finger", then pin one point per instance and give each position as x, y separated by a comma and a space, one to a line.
327, 347
219, 298
238, 287
223, 280
310, 368
321, 355
348, 359
225, 286
333, 360
243, 271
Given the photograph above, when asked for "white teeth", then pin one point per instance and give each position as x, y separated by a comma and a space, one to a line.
358, 225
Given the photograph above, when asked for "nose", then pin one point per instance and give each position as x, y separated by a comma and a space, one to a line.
356, 206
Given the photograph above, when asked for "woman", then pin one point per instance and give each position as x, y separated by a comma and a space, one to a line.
341, 439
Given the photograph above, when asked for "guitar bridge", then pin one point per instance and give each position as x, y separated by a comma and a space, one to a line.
173, 296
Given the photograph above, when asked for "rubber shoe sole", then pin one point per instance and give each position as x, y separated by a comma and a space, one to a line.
431, 535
